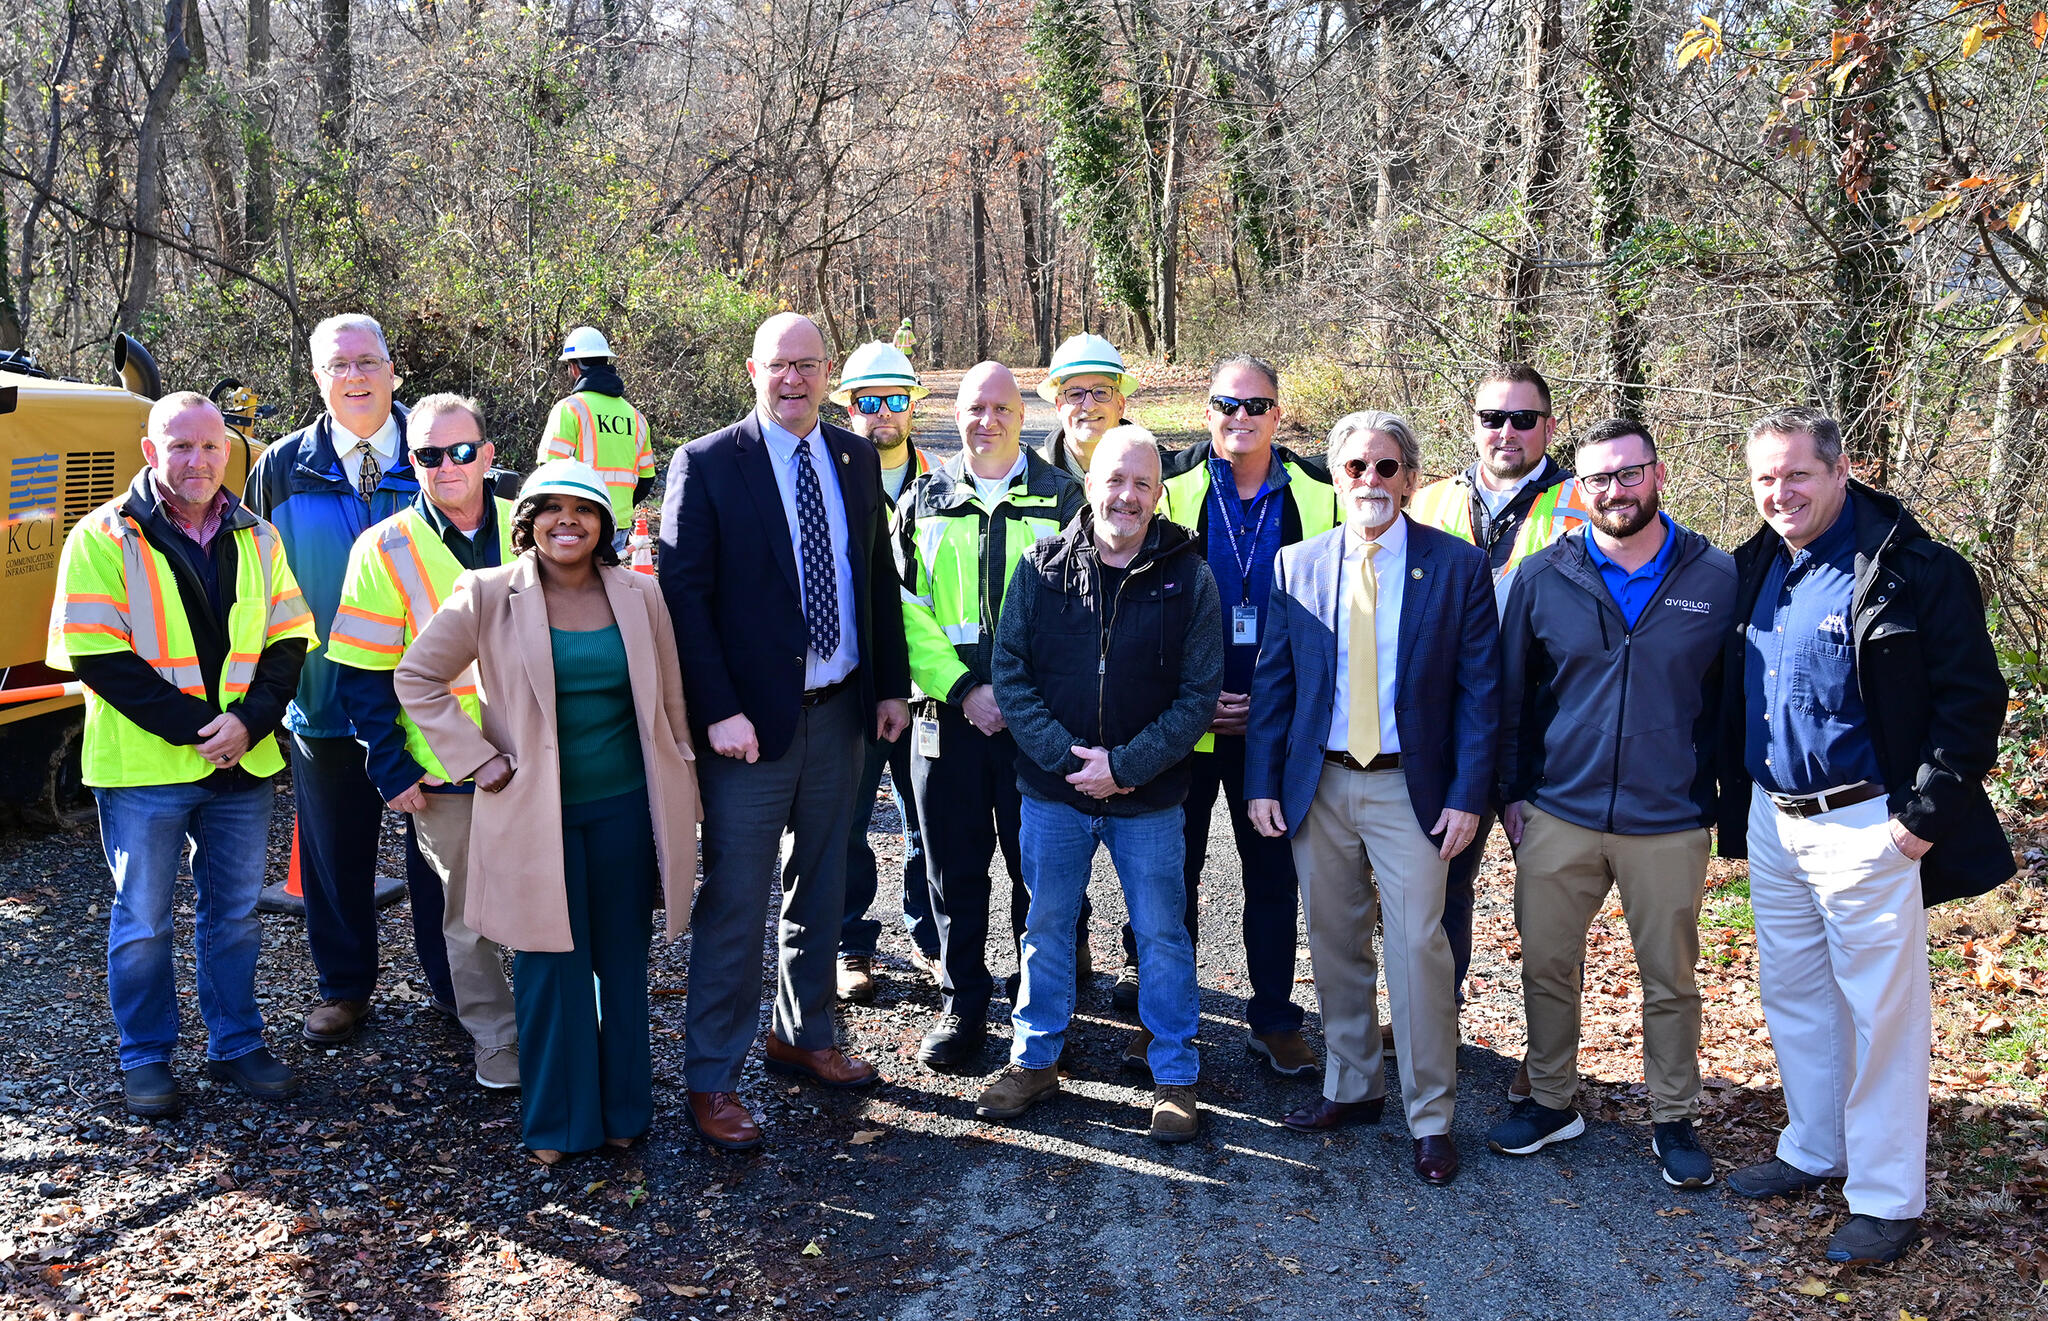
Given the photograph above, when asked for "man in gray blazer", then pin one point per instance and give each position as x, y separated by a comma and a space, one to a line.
1375, 706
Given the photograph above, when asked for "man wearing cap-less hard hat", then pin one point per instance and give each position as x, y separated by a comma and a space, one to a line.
879, 390
1087, 386
596, 425
906, 338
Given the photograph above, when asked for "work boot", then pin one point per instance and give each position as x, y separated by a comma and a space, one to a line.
259, 1073
497, 1067
1015, 1090
1137, 1051
1872, 1240
929, 965
149, 1091
334, 1021
954, 1040
1284, 1052
857, 979
1175, 1116
1124, 997
1773, 1178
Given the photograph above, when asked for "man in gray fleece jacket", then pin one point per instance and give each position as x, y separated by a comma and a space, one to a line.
1611, 647
1108, 659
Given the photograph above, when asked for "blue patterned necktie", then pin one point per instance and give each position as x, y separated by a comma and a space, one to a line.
821, 584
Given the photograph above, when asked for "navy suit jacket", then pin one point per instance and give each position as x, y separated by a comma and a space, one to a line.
1446, 677
730, 577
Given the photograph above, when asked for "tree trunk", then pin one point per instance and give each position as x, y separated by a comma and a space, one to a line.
31, 232
259, 193
2017, 441
1610, 108
934, 310
1543, 137
336, 71
214, 158
977, 292
149, 171
10, 315
1037, 258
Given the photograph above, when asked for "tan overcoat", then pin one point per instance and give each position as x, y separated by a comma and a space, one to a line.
497, 619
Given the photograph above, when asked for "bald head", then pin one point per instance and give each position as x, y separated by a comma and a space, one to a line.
790, 371
990, 415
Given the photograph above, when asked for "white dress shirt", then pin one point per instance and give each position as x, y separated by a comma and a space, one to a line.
819, 671
1495, 501
351, 449
1390, 571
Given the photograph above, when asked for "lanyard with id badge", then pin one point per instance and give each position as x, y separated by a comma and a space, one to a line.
1244, 617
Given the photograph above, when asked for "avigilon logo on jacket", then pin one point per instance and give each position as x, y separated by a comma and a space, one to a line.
1690, 607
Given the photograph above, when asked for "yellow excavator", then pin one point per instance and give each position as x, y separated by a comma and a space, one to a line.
66, 448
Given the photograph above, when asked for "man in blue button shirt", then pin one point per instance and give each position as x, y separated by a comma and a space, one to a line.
1610, 656
1863, 704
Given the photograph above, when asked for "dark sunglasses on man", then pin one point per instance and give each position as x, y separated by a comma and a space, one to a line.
430, 456
1524, 419
1388, 469
871, 404
1226, 405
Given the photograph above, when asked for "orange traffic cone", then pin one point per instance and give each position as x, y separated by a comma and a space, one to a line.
291, 879
643, 546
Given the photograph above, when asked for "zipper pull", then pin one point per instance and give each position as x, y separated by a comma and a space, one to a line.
1101, 665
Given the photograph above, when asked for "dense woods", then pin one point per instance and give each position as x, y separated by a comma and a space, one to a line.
1684, 213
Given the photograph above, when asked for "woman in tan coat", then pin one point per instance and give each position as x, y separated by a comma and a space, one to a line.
587, 796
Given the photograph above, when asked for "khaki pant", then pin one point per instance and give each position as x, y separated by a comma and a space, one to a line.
1562, 875
483, 998
1359, 851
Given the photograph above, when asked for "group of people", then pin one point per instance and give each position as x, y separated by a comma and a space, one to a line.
1052, 651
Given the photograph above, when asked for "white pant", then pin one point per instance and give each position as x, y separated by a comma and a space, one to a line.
1841, 933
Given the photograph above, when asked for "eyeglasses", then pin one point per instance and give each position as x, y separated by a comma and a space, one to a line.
1524, 419
1631, 477
430, 456
805, 367
353, 366
1388, 469
1080, 395
871, 404
1226, 405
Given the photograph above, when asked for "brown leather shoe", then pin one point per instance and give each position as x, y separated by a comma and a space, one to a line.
722, 1119
1519, 1089
856, 979
1436, 1159
1326, 1114
334, 1021
829, 1066
1284, 1052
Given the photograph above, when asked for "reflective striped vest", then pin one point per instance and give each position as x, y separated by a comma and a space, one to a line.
611, 436
116, 592
399, 572
1314, 500
1447, 504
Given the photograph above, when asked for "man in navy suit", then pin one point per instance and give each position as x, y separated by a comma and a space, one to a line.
777, 568
1371, 744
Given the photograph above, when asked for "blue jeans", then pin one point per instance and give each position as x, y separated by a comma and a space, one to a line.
145, 832
858, 932
1059, 844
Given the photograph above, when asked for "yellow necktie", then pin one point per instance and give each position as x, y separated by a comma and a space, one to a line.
1364, 734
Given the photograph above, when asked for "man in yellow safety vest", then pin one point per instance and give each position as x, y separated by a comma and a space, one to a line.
595, 424
399, 573
178, 613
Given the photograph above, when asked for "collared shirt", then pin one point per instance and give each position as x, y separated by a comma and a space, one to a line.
1495, 501
991, 490
1243, 541
1634, 590
203, 531
1807, 729
472, 550
1390, 570
351, 448
819, 671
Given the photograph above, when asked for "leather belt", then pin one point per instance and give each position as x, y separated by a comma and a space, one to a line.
819, 696
1805, 805
1386, 761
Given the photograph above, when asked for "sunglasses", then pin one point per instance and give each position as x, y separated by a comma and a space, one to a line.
430, 456
1524, 419
1388, 469
1631, 477
871, 404
1226, 405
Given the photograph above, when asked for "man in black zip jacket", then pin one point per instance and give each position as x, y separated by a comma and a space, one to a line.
1610, 657
1109, 656
1861, 708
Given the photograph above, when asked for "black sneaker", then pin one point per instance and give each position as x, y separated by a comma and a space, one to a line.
1124, 997
148, 1091
1686, 1163
953, 1041
1774, 1178
1531, 1126
259, 1073
1872, 1240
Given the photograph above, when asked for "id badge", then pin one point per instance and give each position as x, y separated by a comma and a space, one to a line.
1244, 626
928, 738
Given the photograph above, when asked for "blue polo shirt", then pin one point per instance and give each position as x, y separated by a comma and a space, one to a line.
1633, 591
1243, 541
1807, 729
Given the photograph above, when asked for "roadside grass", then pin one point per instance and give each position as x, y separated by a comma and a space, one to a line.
1728, 905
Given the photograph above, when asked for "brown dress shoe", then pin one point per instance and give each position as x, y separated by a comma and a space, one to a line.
1284, 1052
334, 1021
721, 1119
856, 979
1436, 1159
1326, 1114
829, 1066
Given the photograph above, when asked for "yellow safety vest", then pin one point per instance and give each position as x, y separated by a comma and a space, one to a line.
116, 592
1447, 505
611, 436
399, 572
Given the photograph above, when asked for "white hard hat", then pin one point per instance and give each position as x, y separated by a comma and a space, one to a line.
571, 477
875, 366
1085, 355
585, 342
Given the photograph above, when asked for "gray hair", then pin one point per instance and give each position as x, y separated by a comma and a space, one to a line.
1255, 363
1387, 424
1127, 433
334, 325
434, 405
168, 407
1800, 420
